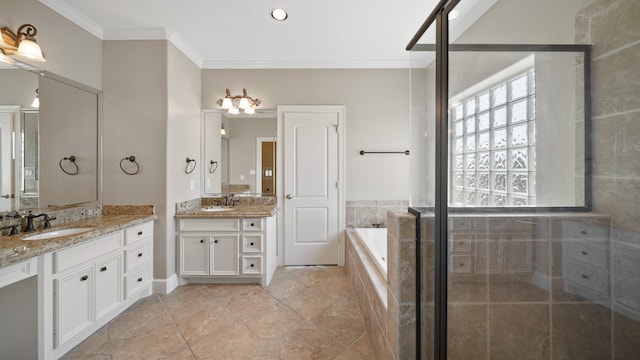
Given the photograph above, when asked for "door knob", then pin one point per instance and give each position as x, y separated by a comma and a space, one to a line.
289, 196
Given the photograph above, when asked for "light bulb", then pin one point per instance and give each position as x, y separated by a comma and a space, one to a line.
244, 103
226, 103
234, 111
31, 50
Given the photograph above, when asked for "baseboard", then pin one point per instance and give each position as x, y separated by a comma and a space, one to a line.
165, 286
540, 280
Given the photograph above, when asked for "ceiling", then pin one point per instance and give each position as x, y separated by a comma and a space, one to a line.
241, 33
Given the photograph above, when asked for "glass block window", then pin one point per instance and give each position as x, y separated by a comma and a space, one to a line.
493, 145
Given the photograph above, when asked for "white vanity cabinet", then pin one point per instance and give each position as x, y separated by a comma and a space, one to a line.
227, 249
88, 284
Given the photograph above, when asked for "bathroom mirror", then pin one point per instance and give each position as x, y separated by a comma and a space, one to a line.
38, 143
245, 154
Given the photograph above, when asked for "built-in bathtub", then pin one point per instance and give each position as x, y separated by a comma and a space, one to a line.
375, 244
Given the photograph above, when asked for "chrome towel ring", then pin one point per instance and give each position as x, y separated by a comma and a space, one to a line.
213, 166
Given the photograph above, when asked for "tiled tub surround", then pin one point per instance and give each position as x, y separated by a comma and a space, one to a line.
520, 286
371, 213
99, 219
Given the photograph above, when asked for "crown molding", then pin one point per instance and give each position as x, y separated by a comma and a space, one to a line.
141, 33
186, 49
306, 64
75, 17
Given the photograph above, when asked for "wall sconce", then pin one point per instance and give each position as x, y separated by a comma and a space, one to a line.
22, 44
222, 130
36, 100
238, 102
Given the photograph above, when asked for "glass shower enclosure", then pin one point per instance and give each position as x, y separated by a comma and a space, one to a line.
525, 180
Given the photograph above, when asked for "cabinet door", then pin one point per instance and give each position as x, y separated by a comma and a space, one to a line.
194, 255
108, 285
224, 254
73, 304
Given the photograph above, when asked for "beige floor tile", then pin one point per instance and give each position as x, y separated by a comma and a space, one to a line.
250, 303
345, 323
310, 343
275, 322
359, 350
220, 321
162, 343
236, 342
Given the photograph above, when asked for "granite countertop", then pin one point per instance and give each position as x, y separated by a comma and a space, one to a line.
240, 211
13, 249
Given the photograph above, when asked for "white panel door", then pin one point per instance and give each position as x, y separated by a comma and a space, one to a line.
310, 187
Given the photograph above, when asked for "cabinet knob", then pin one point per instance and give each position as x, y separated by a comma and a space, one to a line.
139, 232
251, 265
84, 278
103, 269
252, 224
251, 244
202, 241
139, 254
215, 241
139, 279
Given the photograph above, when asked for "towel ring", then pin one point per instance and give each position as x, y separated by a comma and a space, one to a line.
71, 159
186, 168
213, 168
133, 160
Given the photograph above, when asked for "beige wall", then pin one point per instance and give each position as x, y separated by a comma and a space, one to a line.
183, 140
70, 51
377, 116
17, 87
135, 123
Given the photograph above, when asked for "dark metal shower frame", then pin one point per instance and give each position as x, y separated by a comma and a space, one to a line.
441, 209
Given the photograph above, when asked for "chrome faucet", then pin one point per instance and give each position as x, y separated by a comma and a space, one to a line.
228, 199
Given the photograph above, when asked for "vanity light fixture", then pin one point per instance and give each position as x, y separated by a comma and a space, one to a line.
22, 43
222, 130
279, 14
233, 104
36, 100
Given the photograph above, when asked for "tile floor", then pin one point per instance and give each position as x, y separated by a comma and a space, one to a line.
305, 313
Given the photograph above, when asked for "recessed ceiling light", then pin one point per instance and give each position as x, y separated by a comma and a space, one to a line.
279, 14
453, 14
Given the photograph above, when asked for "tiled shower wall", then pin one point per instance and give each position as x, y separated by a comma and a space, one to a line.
372, 213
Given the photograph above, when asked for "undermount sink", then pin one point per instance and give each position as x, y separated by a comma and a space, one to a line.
216, 208
55, 233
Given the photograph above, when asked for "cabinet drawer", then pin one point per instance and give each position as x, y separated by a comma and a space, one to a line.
67, 258
461, 242
251, 243
209, 224
138, 232
589, 252
252, 265
252, 224
575, 230
461, 264
588, 276
137, 255
137, 280
16, 272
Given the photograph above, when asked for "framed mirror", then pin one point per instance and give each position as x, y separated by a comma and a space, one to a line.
245, 153
39, 142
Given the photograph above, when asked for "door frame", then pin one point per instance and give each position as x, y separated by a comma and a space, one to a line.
340, 110
16, 158
259, 141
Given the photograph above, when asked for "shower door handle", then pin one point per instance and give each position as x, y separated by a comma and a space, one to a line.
289, 196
